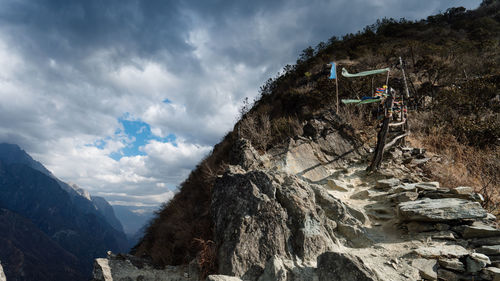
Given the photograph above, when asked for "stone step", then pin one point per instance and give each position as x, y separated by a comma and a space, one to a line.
440, 210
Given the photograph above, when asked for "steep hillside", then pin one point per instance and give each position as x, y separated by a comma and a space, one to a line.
68, 219
27, 253
452, 60
107, 211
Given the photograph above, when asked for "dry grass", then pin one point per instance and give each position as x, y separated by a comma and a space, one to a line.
256, 127
360, 119
460, 165
305, 89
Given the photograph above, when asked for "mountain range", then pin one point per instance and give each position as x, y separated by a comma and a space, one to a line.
50, 230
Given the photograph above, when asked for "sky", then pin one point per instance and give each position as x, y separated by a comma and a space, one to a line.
125, 97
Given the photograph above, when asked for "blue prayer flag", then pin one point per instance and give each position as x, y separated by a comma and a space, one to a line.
333, 71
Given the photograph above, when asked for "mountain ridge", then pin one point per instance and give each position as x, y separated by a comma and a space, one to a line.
67, 218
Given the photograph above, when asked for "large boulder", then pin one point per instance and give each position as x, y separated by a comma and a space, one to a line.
440, 210
250, 224
259, 215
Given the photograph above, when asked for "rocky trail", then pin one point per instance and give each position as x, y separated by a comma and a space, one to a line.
308, 210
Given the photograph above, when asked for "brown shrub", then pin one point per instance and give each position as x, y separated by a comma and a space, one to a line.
207, 257
285, 127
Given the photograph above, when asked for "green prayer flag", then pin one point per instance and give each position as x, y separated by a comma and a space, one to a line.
369, 101
350, 101
364, 73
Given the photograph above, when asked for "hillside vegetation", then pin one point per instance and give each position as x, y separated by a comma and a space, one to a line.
452, 62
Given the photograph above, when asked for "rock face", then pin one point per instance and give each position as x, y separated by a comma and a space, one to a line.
261, 216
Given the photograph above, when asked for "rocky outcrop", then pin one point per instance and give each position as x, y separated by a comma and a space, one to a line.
126, 267
307, 210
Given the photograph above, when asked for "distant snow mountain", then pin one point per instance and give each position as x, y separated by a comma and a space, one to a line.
84, 226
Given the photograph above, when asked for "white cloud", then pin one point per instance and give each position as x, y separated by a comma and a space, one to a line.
61, 92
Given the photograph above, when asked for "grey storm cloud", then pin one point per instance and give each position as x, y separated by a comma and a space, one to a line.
69, 30
72, 69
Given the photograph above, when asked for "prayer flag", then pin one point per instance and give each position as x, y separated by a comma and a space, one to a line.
364, 73
333, 71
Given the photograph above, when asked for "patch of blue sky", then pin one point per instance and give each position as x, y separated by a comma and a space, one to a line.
138, 134
167, 101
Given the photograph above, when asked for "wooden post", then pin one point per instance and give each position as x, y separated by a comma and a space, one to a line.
404, 108
382, 134
407, 92
337, 87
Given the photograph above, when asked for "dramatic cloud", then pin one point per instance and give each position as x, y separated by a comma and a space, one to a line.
124, 98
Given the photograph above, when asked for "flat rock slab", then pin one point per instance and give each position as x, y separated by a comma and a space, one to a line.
403, 188
449, 251
440, 210
488, 241
403, 197
427, 186
388, 183
453, 264
222, 278
426, 268
489, 250
462, 190
477, 231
